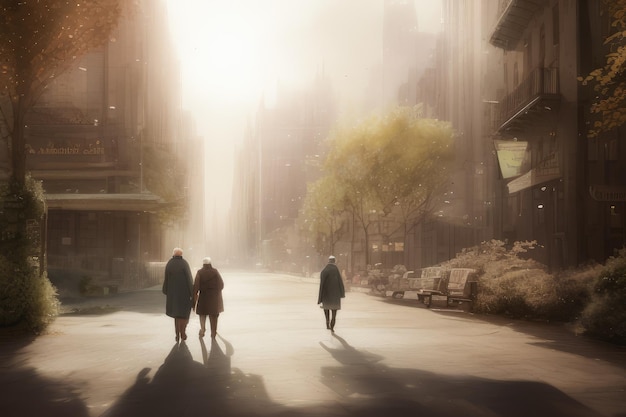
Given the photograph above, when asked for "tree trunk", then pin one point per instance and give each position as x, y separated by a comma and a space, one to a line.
18, 145
353, 238
406, 244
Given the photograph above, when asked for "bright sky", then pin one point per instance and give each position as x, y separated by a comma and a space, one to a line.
233, 51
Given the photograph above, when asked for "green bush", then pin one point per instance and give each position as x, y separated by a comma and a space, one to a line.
605, 315
26, 298
512, 284
574, 288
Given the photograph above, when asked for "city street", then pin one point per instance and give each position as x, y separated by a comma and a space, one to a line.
116, 356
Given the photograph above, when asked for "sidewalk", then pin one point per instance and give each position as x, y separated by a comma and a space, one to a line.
274, 358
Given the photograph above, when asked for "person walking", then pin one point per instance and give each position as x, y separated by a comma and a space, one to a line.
331, 292
207, 293
177, 287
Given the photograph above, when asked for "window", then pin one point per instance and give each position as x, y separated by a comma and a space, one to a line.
528, 55
612, 150
615, 216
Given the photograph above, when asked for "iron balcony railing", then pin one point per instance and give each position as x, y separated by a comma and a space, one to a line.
541, 83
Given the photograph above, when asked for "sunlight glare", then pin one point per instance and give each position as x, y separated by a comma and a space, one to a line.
225, 51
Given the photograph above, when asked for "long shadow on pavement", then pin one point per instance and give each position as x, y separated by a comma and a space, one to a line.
369, 388
184, 387
364, 386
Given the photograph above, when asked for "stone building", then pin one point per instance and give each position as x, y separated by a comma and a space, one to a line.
105, 140
506, 77
557, 185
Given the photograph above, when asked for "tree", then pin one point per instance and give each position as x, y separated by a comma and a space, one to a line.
609, 81
39, 40
350, 167
413, 167
321, 215
397, 164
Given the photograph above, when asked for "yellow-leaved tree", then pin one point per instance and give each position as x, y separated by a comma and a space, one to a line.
390, 166
609, 81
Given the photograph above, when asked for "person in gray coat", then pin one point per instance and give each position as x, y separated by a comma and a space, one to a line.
178, 287
331, 292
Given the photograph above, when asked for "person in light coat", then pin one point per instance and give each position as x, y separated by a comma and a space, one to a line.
177, 287
207, 296
331, 292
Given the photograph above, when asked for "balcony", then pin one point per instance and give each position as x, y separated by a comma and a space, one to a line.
537, 93
514, 19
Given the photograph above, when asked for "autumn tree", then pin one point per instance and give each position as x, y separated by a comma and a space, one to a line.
391, 167
609, 81
39, 40
350, 166
413, 168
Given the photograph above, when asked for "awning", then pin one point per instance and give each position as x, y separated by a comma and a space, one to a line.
547, 170
105, 202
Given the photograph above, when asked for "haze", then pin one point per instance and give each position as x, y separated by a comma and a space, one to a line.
234, 54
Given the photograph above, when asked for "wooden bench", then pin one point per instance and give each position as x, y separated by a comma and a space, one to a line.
410, 286
460, 290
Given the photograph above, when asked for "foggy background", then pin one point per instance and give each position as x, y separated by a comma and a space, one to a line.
235, 54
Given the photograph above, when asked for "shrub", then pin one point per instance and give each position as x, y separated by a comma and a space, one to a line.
27, 297
574, 288
605, 315
515, 293
514, 285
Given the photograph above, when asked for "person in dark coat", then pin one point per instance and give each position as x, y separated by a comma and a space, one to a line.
331, 292
207, 293
178, 286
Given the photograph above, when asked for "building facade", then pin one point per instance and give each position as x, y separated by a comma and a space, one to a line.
282, 153
105, 139
558, 186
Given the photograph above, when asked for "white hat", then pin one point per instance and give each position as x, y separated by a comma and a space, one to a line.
331, 258
206, 261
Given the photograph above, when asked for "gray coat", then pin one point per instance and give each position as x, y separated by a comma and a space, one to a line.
331, 288
177, 287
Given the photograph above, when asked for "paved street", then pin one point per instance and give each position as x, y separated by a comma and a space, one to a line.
117, 357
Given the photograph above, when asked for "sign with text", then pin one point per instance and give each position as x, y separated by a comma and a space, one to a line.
608, 192
511, 157
94, 147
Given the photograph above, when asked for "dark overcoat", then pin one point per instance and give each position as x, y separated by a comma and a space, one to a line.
207, 287
331, 288
177, 286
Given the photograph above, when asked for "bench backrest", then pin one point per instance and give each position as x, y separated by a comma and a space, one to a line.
458, 279
430, 279
432, 272
424, 283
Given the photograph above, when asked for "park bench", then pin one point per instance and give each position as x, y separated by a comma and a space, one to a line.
460, 290
410, 286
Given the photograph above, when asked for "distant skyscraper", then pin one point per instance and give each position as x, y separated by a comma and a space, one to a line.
399, 46
406, 52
